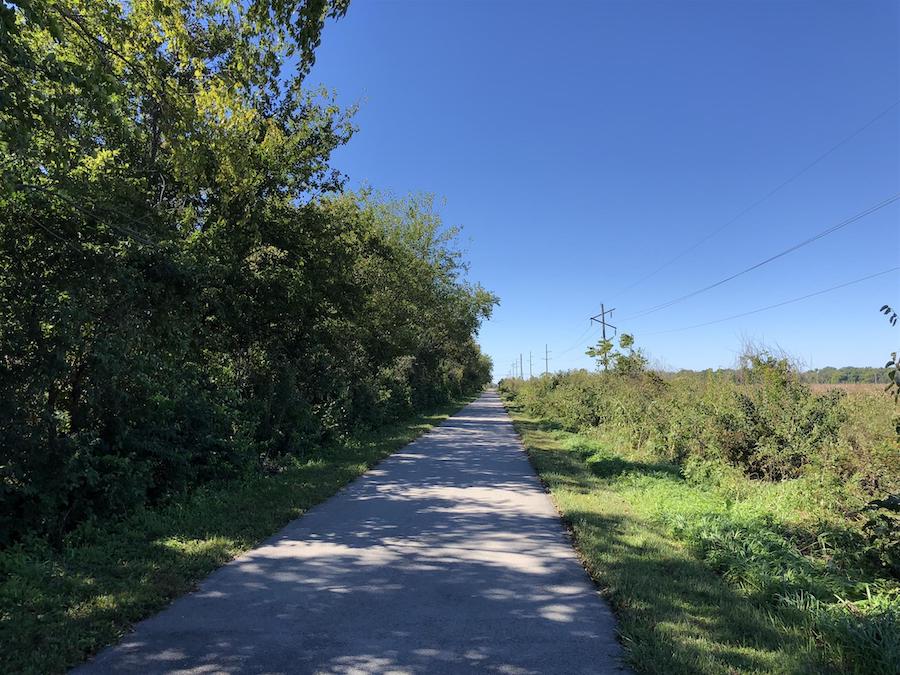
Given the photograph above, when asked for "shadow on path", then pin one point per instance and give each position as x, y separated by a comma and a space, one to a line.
447, 557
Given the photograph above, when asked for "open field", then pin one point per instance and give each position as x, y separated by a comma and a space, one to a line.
848, 388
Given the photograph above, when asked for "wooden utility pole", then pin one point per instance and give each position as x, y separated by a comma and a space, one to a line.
601, 319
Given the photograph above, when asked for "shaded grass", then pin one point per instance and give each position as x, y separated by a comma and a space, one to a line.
59, 607
676, 615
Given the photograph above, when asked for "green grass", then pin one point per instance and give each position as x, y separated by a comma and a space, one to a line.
59, 607
676, 614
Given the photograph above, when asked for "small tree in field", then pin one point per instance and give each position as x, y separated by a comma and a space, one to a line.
602, 352
628, 361
893, 373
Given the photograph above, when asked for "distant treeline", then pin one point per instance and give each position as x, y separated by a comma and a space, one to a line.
827, 375
187, 293
847, 374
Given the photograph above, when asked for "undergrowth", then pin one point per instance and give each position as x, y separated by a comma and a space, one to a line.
59, 605
786, 495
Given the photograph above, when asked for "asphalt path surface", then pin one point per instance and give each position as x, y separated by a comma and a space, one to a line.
447, 557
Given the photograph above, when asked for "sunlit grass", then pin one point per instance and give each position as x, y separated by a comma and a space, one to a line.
58, 607
676, 614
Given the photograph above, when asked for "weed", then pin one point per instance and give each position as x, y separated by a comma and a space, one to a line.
787, 495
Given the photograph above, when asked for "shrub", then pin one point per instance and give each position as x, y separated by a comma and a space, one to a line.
790, 495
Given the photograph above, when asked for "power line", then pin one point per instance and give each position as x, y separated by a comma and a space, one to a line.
777, 304
764, 198
65, 240
805, 242
121, 229
578, 341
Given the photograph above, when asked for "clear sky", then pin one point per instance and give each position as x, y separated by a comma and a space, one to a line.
583, 145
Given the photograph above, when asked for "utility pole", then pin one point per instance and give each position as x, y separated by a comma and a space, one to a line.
530, 366
601, 319
546, 360
521, 370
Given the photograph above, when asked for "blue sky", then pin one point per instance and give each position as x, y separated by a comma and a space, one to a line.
582, 145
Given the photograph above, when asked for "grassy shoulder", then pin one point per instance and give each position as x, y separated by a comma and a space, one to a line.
676, 614
59, 607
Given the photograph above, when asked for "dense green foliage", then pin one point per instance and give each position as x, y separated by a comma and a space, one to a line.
790, 495
185, 293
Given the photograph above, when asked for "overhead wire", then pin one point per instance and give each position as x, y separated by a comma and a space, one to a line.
577, 341
771, 193
65, 240
121, 229
777, 304
829, 230
768, 195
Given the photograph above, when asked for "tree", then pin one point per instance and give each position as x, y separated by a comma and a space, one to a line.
631, 361
185, 294
892, 366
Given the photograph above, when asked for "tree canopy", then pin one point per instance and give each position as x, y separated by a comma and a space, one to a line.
187, 291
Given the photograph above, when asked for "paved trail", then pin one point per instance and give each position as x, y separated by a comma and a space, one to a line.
447, 557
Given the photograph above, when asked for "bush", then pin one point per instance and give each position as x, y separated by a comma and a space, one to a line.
790, 495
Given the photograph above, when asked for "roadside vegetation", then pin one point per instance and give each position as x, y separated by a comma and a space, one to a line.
200, 327
187, 293
61, 604
738, 524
